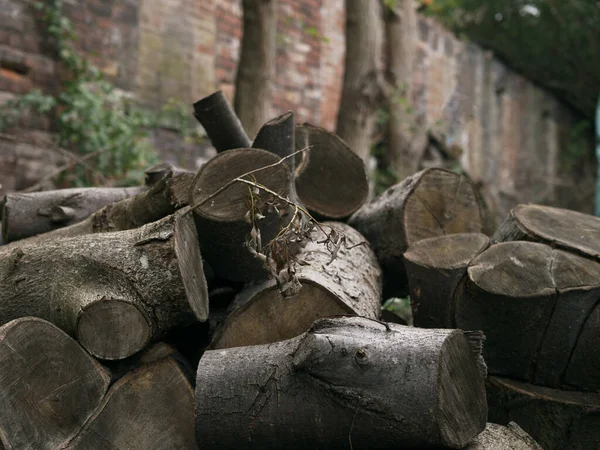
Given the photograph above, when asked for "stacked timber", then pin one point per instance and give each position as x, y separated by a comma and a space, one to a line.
234, 307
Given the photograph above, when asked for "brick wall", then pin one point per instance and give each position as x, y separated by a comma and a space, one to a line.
511, 133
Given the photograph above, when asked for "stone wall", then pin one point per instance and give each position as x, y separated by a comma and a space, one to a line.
513, 135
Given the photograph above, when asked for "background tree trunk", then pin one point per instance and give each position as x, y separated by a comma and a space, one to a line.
361, 92
256, 69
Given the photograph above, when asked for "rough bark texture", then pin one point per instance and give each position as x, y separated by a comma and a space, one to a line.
151, 408
557, 420
531, 301
220, 221
25, 215
220, 122
114, 291
162, 199
153, 174
433, 202
362, 86
499, 437
558, 227
435, 267
403, 152
256, 68
332, 181
346, 383
350, 284
49, 386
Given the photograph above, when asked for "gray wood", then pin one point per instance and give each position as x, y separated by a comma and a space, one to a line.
431, 203
348, 382
332, 181
531, 301
116, 291
584, 365
30, 214
350, 284
220, 221
499, 437
49, 386
435, 266
556, 419
158, 171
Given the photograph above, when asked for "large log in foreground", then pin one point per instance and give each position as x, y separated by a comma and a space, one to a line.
348, 382
348, 284
25, 215
114, 291
509, 437
532, 302
435, 266
224, 220
332, 181
557, 420
433, 202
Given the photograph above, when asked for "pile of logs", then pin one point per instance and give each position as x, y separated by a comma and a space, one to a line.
240, 307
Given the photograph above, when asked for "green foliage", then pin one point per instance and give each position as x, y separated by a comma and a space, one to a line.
553, 42
401, 307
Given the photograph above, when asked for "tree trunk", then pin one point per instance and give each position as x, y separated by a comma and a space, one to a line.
220, 122
25, 215
49, 386
545, 294
433, 202
362, 87
557, 420
498, 437
332, 181
563, 228
350, 284
223, 221
256, 68
162, 199
115, 292
404, 141
158, 171
151, 408
348, 382
435, 266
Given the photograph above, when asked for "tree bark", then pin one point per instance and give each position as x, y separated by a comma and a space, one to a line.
25, 215
350, 284
557, 420
404, 140
256, 68
545, 294
362, 86
433, 202
221, 222
49, 386
158, 171
220, 122
348, 382
332, 181
435, 267
115, 292
509, 437
558, 227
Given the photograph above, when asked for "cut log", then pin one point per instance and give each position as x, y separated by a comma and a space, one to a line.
151, 408
333, 182
277, 136
25, 215
220, 122
433, 202
161, 170
544, 294
162, 199
348, 382
350, 284
49, 386
558, 227
222, 221
435, 266
115, 292
557, 420
509, 437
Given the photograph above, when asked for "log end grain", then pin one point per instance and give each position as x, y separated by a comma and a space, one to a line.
447, 252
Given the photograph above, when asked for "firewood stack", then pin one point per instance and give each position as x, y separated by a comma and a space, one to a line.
240, 307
